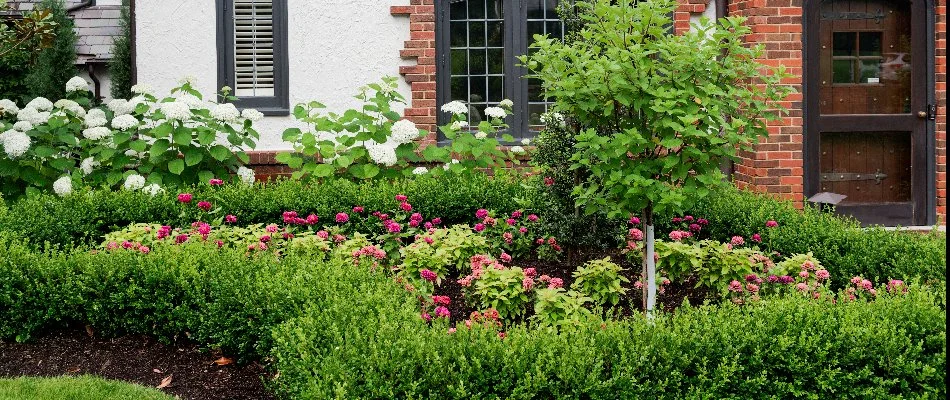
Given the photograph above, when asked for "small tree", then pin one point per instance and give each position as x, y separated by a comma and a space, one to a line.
120, 66
657, 111
57, 64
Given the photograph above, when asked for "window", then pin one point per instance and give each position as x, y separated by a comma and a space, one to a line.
477, 45
252, 53
856, 57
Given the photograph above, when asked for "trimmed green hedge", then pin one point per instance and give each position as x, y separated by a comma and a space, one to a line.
336, 330
85, 216
841, 244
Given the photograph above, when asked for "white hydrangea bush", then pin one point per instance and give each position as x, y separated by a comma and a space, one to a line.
377, 142
144, 143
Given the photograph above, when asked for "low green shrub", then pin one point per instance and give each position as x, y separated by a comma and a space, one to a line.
84, 217
359, 343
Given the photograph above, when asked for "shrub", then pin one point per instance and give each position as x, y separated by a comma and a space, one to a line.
558, 310
54, 66
85, 216
600, 280
120, 65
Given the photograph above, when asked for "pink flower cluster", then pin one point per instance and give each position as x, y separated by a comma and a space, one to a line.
677, 235
292, 218
371, 251
428, 275
127, 245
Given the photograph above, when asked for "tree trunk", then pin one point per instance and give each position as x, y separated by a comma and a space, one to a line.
650, 264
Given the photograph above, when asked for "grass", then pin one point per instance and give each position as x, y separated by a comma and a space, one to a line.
75, 388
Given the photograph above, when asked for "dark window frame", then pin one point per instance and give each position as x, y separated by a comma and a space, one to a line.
279, 104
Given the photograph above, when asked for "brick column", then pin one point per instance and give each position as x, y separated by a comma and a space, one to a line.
421, 77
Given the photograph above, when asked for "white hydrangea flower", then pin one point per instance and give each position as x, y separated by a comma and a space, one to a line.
88, 165
176, 110
420, 171
517, 150
121, 106
70, 106
192, 101
525, 141
506, 103
381, 153
455, 107
77, 84
95, 118
63, 186
8, 107
459, 125
152, 123
97, 133
40, 104
134, 154
448, 165
404, 131
226, 89
252, 114
153, 189
33, 116
134, 182
124, 122
23, 126
246, 175
15, 143
225, 113
141, 88
188, 79
496, 112
481, 135
553, 118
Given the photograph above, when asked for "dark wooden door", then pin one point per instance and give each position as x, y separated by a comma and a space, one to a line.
866, 107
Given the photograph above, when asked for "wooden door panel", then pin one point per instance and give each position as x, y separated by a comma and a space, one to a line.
869, 167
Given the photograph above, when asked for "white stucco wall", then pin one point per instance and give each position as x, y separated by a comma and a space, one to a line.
335, 46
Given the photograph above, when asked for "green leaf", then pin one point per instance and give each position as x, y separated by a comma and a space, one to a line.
43, 151
220, 153
158, 148
193, 156
323, 170
176, 166
205, 175
138, 145
182, 136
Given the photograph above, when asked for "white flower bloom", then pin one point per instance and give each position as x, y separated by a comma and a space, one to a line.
225, 113
134, 154
517, 150
141, 88
15, 143
553, 118
77, 84
192, 101
459, 125
8, 107
70, 106
97, 133
455, 107
246, 175
525, 141
448, 165
40, 104
95, 118
420, 171
481, 135
23, 126
121, 107
252, 114
176, 110
188, 79
382, 154
404, 131
63, 186
124, 122
496, 112
152, 123
153, 189
226, 89
87, 165
134, 182
32, 116
506, 103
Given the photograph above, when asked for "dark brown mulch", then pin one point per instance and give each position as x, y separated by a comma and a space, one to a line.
137, 359
671, 298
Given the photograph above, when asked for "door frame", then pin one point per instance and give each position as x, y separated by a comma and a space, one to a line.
923, 183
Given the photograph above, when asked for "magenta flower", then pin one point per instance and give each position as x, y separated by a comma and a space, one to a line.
523, 230
530, 272
204, 205
867, 285
442, 300
204, 229
405, 206
516, 214
508, 237
757, 238
510, 221
394, 228
527, 283
184, 198
342, 218
532, 218
481, 213
272, 228
442, 312
703, 221
857, 280
414, 224
735, 286
181, 239
415, 217
695, 227
555, 283
126, 244
785, 279
428, 275
737, 241
771, 224
426, 317
548, 181
479, 227
635, 234
677, 220
357, 210
896, 284
427, 225
401, 198
688, 218
772, 279
802, 287
634, 220
822, 274
219, 243
144, 249
323, 235
436, 221
215, 182
230, 219
312, 219
752, 288
803, 274
505, 257
265, 238
751, 277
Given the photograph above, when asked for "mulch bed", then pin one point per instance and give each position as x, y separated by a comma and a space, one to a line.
138, 359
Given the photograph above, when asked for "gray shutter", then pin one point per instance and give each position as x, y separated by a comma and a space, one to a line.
253, 48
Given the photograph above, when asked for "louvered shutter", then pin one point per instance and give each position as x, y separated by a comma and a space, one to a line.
254, 48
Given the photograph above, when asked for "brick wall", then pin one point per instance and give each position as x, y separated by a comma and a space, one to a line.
941, 71
421, 77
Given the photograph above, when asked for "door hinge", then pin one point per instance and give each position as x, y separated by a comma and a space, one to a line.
932, 112
851, 176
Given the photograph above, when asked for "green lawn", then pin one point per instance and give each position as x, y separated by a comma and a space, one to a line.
75, 388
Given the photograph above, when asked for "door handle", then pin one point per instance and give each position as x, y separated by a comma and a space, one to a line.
921, 114
930, 114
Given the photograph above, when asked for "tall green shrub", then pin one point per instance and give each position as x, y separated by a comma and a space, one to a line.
56, 64
120, 66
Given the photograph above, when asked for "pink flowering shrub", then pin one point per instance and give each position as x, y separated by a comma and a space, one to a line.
440, 250
515, 233
493, 285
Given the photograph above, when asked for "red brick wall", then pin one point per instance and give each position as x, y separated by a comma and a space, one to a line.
941, 71
421, 77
